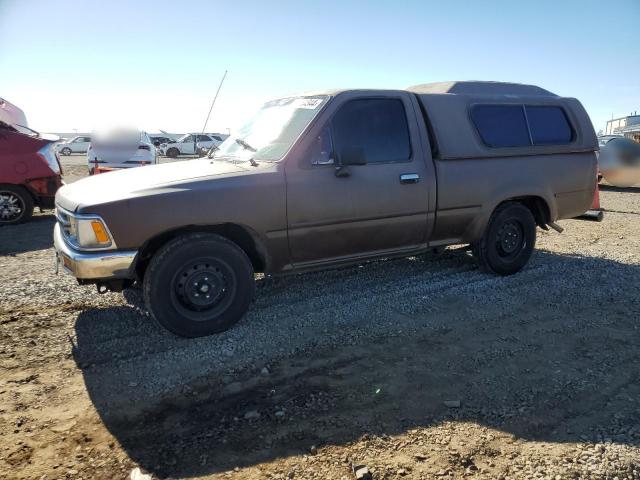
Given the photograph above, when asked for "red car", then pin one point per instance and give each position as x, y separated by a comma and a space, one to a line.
30, 172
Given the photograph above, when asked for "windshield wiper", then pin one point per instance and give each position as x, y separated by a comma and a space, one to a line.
233, 159
245, 145
212, 151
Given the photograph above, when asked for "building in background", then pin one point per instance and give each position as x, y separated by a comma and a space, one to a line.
628, 126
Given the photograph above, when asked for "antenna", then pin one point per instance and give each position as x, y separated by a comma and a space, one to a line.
214, 101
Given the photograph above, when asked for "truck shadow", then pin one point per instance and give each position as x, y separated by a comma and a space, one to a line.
36, 234
547, 355
611, 188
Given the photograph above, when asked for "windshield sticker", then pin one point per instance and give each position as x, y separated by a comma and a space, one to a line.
308, 103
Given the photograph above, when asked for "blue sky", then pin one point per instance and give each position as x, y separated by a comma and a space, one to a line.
77, 65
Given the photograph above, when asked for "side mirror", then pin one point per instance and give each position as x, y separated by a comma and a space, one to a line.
351, 155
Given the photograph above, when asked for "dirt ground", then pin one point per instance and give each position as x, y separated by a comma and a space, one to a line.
420, 368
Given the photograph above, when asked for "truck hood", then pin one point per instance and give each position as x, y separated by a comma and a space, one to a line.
139, 181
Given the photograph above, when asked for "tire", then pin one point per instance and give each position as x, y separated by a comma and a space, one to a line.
173, 153
183, 276
16, 205
66, 151
508, 241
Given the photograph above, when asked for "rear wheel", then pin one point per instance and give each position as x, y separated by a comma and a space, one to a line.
16, 205
198, 284
508, 241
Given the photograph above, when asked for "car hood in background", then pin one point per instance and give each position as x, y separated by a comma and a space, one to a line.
11, 115
123, 184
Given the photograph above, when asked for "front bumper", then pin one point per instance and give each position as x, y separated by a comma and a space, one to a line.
103, 265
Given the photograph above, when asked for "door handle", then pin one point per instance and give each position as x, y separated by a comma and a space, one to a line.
409, 178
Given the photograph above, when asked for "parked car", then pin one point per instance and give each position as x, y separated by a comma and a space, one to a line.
30, 172
121, 149
604, 139
311, 182
159, 140
203, 148
79, 144
188, 144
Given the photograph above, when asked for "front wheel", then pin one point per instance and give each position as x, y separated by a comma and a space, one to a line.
508, 241
198, 284
66, 151
173, 153
16, 205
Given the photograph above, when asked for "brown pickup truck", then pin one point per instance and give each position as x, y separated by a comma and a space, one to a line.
329, 178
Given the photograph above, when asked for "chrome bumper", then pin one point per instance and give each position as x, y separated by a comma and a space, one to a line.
93, 265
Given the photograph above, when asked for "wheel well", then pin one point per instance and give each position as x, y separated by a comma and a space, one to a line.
29, 192
239, 235
538, 208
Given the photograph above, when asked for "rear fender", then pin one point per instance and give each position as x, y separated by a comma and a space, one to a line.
476, 228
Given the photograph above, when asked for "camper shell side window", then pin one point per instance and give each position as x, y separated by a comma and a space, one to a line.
522, 125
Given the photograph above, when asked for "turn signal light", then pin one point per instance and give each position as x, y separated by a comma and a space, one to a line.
99, 231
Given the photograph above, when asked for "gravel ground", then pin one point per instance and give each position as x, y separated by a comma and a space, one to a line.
421, 367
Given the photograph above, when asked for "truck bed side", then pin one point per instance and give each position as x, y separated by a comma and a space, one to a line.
473, 178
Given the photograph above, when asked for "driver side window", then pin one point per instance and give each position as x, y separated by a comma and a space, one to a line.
188, 139
321, 151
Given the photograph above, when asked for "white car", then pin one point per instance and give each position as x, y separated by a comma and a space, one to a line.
79, 144
190, 143
121, 150
604, 139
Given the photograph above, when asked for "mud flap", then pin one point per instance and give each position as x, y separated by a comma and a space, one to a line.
593, 215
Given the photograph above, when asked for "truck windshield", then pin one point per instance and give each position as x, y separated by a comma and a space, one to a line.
269, 134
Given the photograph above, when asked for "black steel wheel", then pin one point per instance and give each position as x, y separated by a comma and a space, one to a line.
173, 152
198, 284
16, 205
508, 241
206, 284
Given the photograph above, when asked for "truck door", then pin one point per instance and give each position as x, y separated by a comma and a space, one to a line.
381, 206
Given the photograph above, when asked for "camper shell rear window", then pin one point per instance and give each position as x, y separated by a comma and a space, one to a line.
519, 125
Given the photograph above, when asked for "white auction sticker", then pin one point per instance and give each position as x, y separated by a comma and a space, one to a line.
309, 103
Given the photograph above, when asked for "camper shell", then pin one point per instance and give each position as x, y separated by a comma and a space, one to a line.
558, 173
448, 106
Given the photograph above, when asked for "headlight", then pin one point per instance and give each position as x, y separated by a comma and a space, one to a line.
92, 233
85, 231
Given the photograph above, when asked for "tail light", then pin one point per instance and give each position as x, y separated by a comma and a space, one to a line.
44, 186
144, 147
50, 156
